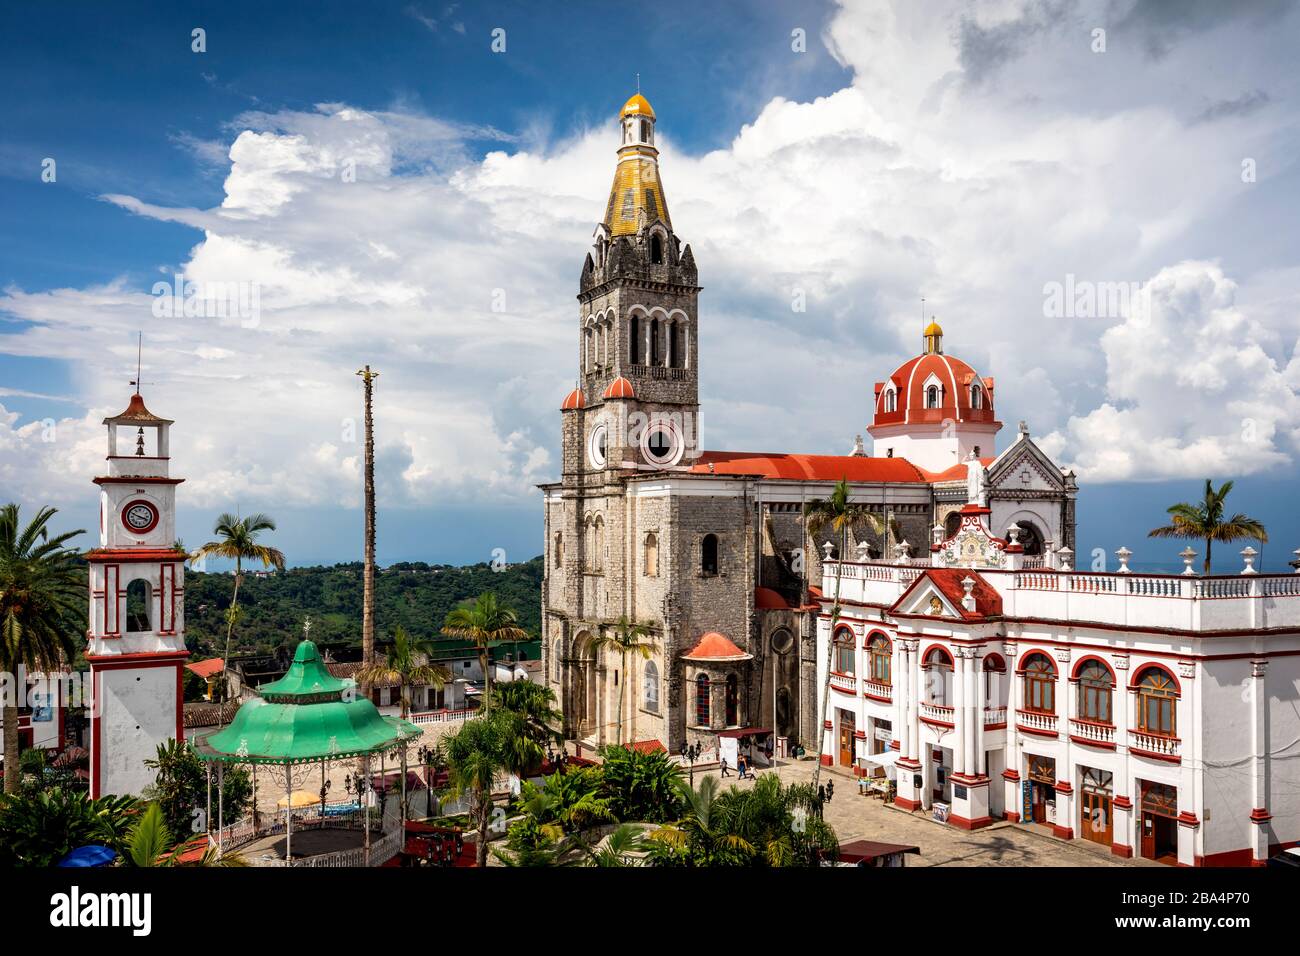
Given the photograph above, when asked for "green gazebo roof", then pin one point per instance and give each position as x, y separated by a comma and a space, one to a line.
306, 715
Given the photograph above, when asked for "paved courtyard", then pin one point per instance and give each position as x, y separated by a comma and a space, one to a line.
856, 817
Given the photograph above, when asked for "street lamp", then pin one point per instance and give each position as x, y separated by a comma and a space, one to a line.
691, 754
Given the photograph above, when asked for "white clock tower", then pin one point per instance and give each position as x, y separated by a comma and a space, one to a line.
136, 641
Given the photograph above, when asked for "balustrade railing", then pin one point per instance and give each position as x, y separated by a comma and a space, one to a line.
1032, 720
1154, 743
878, 689
1092, 731
845, 682
440, 716
936, 712
995, 716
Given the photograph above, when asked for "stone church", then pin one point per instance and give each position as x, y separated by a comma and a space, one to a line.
709, 550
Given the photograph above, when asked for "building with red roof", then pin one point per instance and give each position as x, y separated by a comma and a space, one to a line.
708, 550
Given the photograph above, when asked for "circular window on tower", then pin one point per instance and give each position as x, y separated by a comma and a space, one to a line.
597, 445
661, 442
140, 516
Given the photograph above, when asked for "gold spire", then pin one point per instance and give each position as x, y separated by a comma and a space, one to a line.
637, 196
933, 337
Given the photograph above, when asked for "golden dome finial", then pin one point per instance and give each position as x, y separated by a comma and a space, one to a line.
933, 337
637, 105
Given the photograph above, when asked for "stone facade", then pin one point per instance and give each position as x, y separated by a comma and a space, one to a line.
645, 525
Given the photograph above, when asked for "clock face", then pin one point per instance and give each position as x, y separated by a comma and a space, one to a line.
140, 516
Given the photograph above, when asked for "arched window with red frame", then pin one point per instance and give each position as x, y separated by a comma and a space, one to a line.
995, 680
1096, 688
1157, 700
844, 651
881, 653
937, 668
1039, 675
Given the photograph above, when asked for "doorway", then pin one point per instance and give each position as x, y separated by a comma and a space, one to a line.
1160, 823
847, 730
1095, 819
1042, 789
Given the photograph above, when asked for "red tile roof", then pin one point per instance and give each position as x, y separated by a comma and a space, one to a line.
648, 747
957, 472
988, 603
853, 468
768, 600
205, 669
715, 647
619, 388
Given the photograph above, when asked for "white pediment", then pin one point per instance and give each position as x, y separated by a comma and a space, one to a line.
928, 599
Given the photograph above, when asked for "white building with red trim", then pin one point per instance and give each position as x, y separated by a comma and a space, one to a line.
1153, 714
136, 638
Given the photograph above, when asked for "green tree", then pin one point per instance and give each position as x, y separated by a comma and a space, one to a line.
180, 789
149, 844
485, 622
838, 515
42, 595
1204, 520
626, 637
238, 543
535, 704
406, 664
483, 749
40, 829
641, 787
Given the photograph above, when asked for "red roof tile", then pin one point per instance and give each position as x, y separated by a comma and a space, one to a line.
957, 472
715, 647
648, 747
988, 603
206, 668
853, 468
769, 600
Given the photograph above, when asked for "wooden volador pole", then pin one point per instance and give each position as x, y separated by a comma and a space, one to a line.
368, 601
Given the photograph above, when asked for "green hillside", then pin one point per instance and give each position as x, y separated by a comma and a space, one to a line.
414, 595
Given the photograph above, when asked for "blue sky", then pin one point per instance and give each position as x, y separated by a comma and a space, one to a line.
968, 153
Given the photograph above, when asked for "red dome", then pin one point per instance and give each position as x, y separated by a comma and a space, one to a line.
575, 399
619, 388
962, 395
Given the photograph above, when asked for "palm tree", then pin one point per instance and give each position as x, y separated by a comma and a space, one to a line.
42, 588
839, 515
149, 844
1204, 520
238, 541
477, 754
626, 637
535, 703
485, 622
406, 664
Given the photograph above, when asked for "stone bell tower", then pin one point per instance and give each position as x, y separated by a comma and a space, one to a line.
638, 342
136, 638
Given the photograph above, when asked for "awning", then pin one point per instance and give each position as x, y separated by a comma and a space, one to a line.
745, 732
885, 760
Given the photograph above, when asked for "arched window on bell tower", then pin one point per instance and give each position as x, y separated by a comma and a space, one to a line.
634, 341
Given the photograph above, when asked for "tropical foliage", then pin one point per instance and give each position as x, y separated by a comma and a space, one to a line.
769, 825
238, 542
180, 789
42, 604
406, 664
41, 828
640, 786
484, 749
149, 844
485, 622
417, 596
1204, 520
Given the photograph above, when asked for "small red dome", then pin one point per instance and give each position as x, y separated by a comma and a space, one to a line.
715, 647
575, 399
955, 392
620, 388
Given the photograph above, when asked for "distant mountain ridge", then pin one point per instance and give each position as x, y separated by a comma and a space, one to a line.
413, 594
